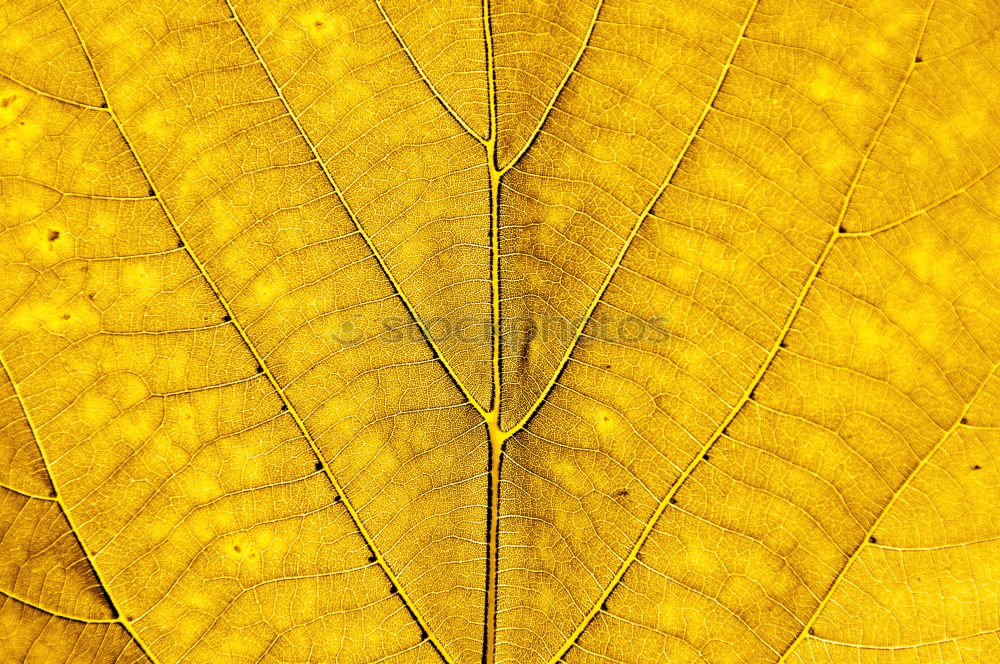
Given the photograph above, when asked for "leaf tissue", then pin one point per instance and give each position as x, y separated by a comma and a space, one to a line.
500, 331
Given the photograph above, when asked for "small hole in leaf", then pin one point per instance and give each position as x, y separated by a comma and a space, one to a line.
319, 465
705, 457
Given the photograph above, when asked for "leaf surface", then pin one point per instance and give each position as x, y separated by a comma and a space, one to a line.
593, 331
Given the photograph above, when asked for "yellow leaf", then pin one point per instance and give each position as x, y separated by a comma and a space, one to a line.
500, 331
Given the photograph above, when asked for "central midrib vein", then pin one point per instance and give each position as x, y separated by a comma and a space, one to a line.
496, 436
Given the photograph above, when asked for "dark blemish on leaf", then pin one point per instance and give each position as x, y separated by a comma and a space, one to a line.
90, 296
841, 229
965, 420
65, 316
337, 499
371, 559
976, 467
104, 104
152, 194
620, 493
753, 394
227, 318
5, 102
284, 407
604, 607
237, 549
130, 618
53, 494
918, 59
783, 345
423, 635
180, 244
812, 631
873, 540
392, 589
53, 235
260, 369
607, 366
319, 465
673, 501
705, 457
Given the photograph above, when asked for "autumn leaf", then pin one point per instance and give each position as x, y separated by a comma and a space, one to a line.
512, 331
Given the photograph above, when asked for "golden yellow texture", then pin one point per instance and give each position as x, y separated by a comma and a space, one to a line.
534, 331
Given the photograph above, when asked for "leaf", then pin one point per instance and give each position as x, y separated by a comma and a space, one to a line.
499, 332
